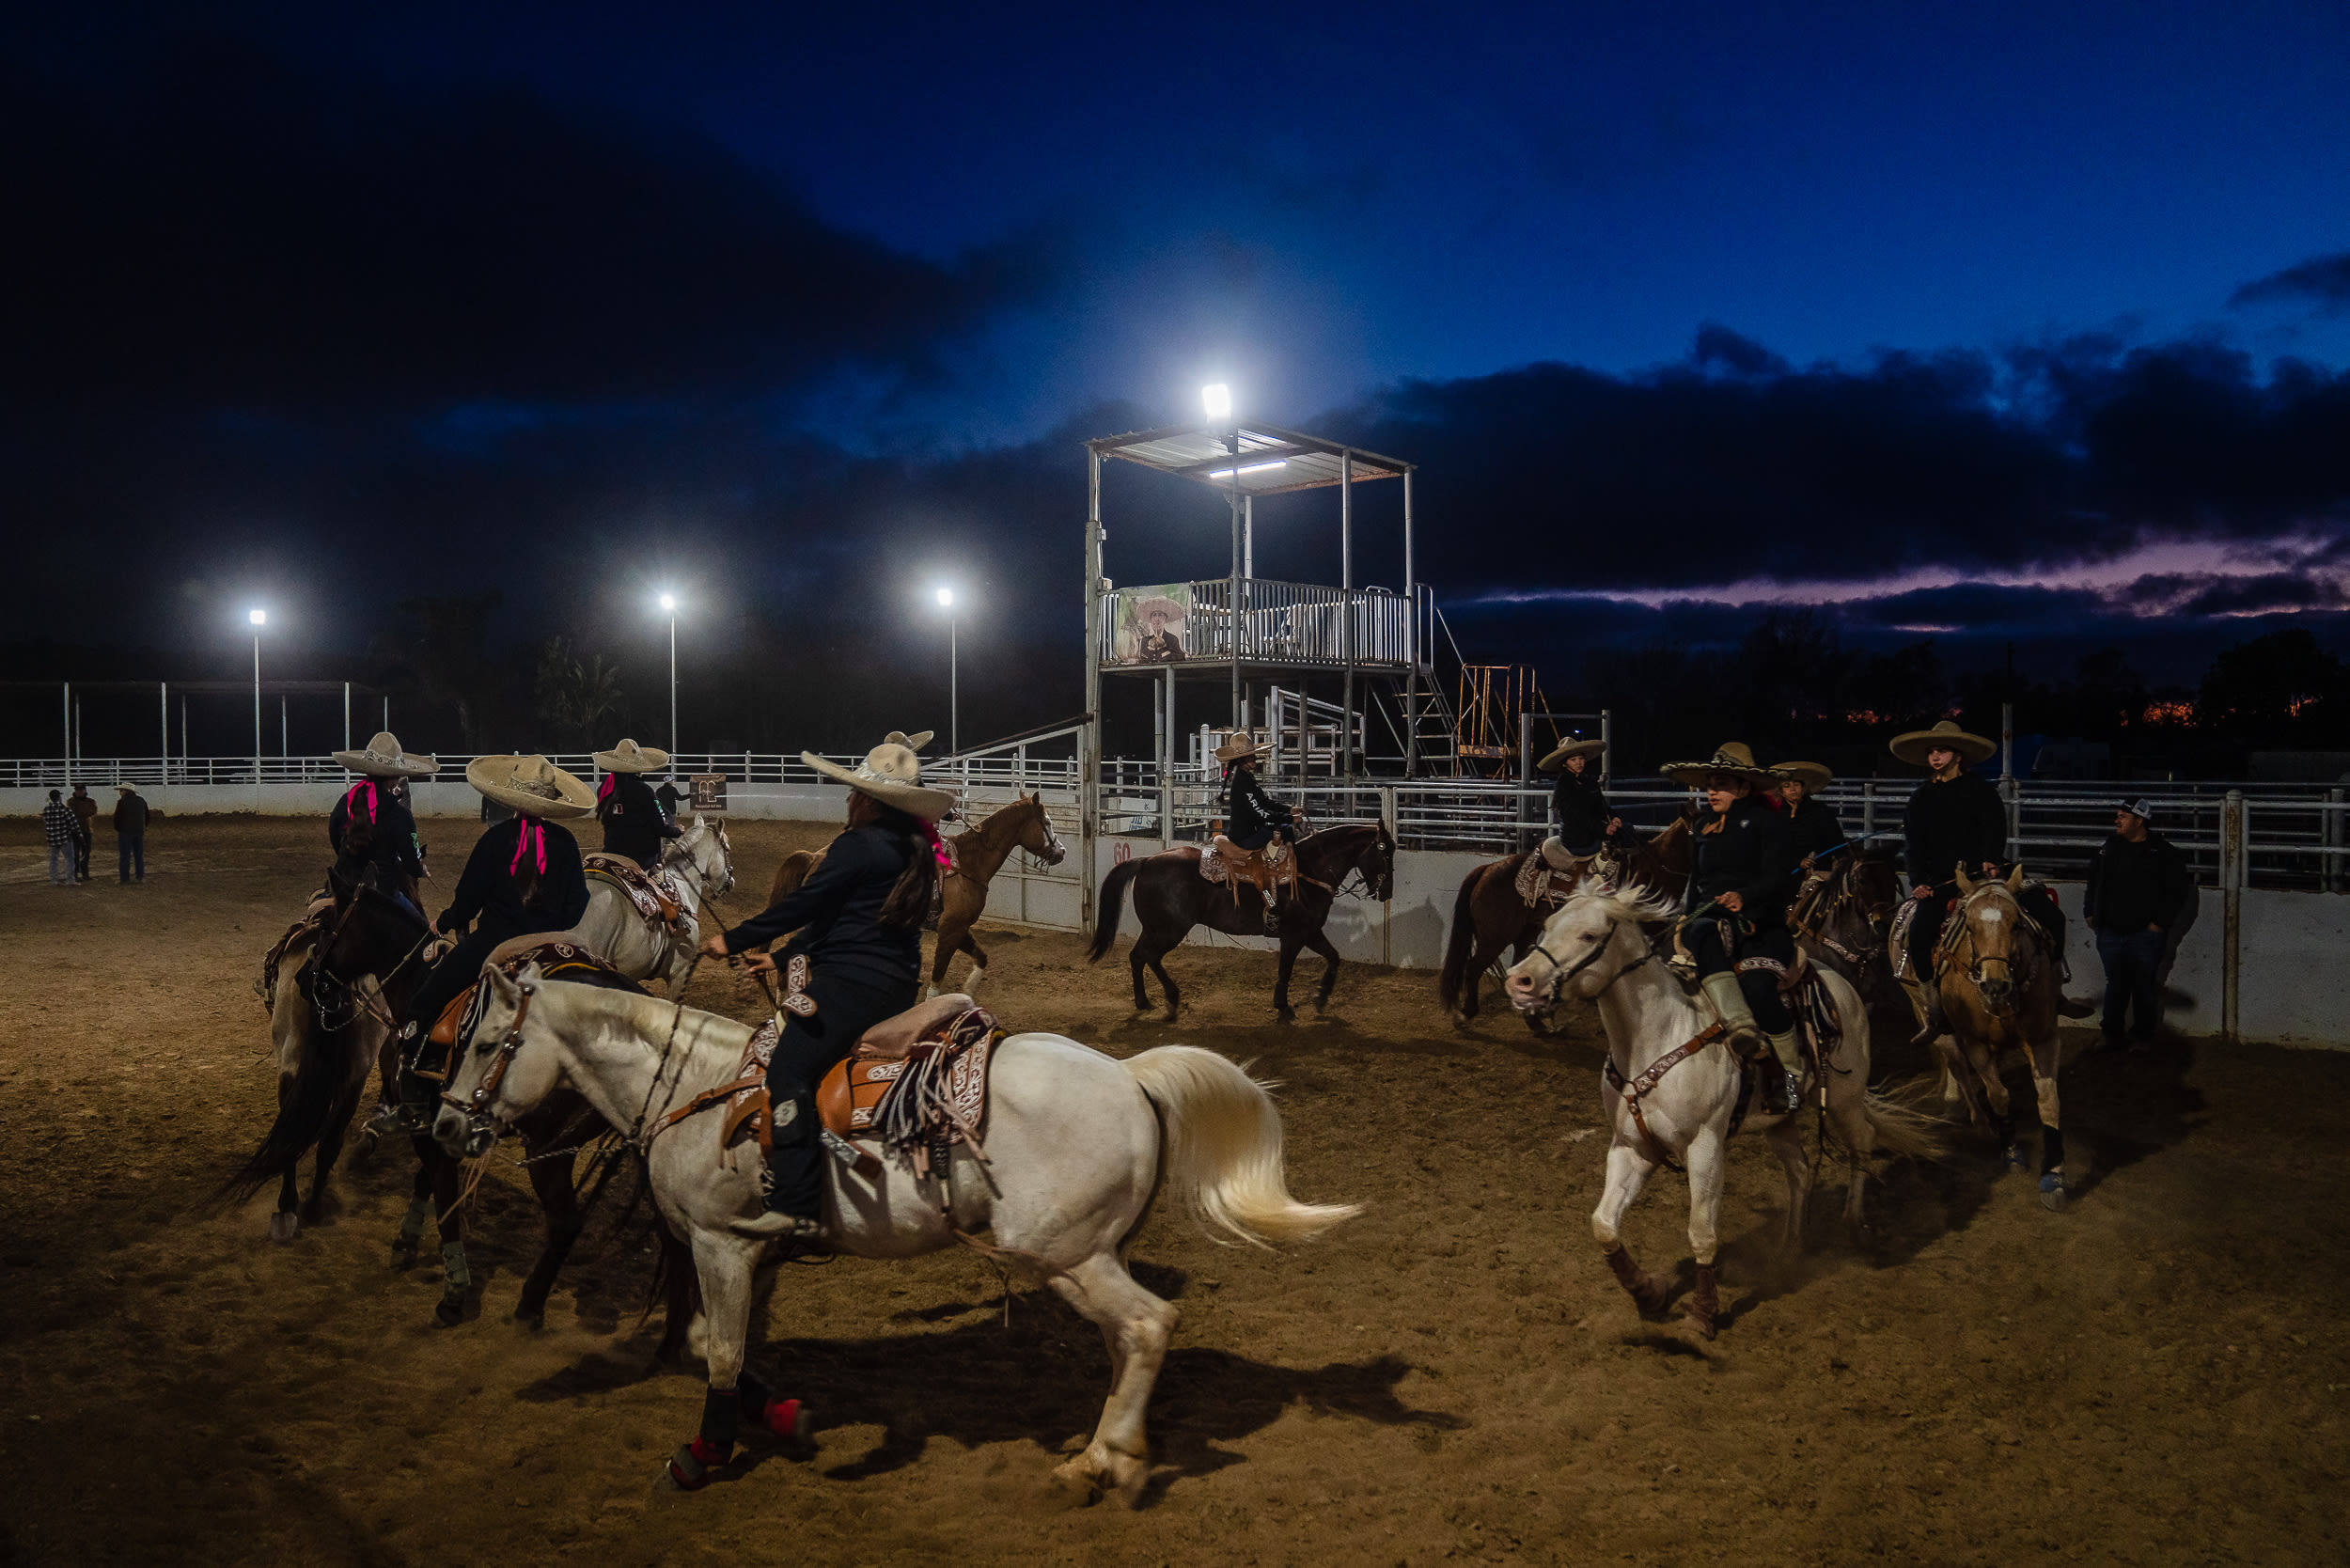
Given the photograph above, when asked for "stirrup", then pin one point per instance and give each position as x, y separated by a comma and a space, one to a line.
400, 1120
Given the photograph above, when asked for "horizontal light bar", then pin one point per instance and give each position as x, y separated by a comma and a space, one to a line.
1253, 467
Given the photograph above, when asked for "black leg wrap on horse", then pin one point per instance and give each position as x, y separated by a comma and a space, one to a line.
2051, 1149
722, 1418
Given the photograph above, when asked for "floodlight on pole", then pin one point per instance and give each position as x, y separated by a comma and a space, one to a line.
668, 607
946, 597
257, 619
1216, 398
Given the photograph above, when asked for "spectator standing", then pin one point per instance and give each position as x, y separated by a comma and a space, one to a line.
131, 832
2138, 886
57, 827
668, 797
84, 812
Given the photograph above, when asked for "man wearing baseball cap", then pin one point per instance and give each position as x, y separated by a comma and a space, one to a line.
2137, 883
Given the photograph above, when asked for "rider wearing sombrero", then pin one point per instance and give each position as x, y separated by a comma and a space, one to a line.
859, 919
633, 823
1252, 819
1956, 822
523, 876
371, 827
1736, 910
1579, 812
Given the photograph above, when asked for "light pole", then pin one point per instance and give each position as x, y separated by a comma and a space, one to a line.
1216, 400
668, 605
954, 709
258, 619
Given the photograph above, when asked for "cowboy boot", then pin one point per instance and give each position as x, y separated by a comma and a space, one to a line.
1730, 1004
412, 1116
1926, 1000
1786, 1096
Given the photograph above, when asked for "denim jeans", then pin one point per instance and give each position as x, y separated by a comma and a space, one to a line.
61, 863
2132, 960
131, 850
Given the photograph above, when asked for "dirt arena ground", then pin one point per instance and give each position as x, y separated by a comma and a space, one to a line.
2157, 1376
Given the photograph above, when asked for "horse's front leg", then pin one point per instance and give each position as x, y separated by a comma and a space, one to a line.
1706, 1166
456, 1276
1291, 939
724, 1265
2046, 1059
1628, 1171
553, 1180
330, 1149
1786, 1140
1319, 940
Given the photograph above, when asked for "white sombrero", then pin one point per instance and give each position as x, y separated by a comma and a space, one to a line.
1558, 759
892, 774
628, 757
1237, 746
1730, 759
1811, 775
1912, 747
382, 757
530, 785
914, 742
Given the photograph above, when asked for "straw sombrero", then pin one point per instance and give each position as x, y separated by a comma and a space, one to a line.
1811, 775
1558, 759
628, 757
1237, 745
1912, 747
382, 757
1731, 759
892, 774
914, 742
530, 785
1158, 603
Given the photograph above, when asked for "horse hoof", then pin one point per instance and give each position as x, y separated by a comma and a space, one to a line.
284, 1226
450, 1312
403, 1253
1705, 1326
2053, 1196
531, 1317
2015, 1160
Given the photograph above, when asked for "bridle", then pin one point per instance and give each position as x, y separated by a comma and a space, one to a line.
1560, 974
1976, 961
476, 1106
1842, 893
373, 1003
1354, 868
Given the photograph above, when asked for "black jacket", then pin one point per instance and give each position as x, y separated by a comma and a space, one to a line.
1815, 828
1963, 820
1248, 809
2132, 887
508, 892
1750, 851
837, 911
633, 823
387, 838
1579, 806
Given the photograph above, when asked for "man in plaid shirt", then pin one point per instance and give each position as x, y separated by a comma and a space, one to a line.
58, 827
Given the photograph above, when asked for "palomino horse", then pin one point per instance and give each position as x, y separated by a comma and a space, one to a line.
2000, 992
327, 1039
1489, 919
1078, 1144
700, 864
1171, 897
1673, 1093
370, 935
977, 854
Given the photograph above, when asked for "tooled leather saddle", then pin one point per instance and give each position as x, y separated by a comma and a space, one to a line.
1268, 871
652, 893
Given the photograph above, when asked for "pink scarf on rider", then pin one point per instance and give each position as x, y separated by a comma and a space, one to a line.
938, 847
523, 844
351, 801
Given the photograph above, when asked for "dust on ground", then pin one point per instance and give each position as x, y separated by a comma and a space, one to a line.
2156, 1376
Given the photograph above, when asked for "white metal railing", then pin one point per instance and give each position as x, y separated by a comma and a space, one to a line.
1297, 623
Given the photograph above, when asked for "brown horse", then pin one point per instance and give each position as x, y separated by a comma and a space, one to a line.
1171, 897
1490, 918
1842, 923
2000, 991
979, 854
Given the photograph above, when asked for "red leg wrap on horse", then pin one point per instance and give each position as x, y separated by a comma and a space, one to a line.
1646, 1292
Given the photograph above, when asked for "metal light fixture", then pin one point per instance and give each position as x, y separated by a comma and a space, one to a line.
1216, 398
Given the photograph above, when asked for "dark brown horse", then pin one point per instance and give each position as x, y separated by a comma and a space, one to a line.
1489, 919
1171, 897
1842, 923
368, 935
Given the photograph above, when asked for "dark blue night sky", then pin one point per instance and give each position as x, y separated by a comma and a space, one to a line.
1992, 323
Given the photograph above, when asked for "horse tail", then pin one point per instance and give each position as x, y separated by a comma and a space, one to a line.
320, 1082
1220, 1153
1901, 1128
1461, 941
1113, 908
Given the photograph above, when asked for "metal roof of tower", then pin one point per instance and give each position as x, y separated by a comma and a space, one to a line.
1273, 461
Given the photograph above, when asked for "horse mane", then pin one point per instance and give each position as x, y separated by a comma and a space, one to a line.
1630, 904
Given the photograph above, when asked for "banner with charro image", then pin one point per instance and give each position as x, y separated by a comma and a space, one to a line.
1152, 622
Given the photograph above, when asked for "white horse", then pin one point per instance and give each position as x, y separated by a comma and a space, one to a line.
701, 863
1680, 1112
1077, 1143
